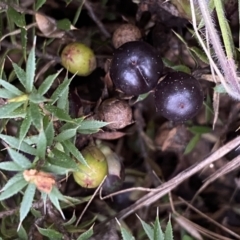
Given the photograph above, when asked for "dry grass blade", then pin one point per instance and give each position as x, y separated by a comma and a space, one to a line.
235, 163
216, 101
211, 220
174, 182
89, 202
188, 226
203, 231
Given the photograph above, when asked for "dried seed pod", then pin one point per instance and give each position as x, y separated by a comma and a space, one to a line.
126, 33
115, 111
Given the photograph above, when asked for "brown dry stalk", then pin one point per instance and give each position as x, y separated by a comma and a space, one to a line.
230, 166
168, 186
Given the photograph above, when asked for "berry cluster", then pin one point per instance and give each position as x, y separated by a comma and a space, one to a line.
136, 68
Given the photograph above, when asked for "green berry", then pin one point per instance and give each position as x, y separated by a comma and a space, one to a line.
92, 174
78, 59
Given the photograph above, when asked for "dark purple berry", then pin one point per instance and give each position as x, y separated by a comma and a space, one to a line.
135, 68
178, 97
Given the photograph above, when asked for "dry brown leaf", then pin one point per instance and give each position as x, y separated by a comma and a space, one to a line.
176, 139
46, 24
188, 226
109, 135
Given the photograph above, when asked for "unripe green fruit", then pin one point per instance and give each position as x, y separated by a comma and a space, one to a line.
78, 59
91, 175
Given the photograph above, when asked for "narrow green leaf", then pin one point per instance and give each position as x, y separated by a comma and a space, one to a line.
13, 189
27, 201
64, 24
16, 178
19, 159
36, 213
187, 237
16, 143
70, 202
158, 233
54, 199
8, 109
172, 65
71, 220
48, 167
39, 4
219, 88
50, 233
141, 97
10, 166
24, 41
126, 235
22, 234
59, 113
193, 142
18, 18
21, 74
88, 131
42, 145
74, 124
74, 151
169, 231
200, 54
225, 29
62, 160
86, 235
3, 124
63, 102
4, 93
30, 70
67, 1
78, 12
18, 113
78, 121
92, 124
11, 88
35, 97
49, 133
66, 134
25, 126
11, 26
36, 115
60, 90
199, 129
31, 140
58, 194
147, 229
47, 83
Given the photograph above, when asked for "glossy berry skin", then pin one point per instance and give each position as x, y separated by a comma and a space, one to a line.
135, 68
178, 97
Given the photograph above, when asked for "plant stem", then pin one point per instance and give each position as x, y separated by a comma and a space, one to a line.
207, 52
227, 65
226, 32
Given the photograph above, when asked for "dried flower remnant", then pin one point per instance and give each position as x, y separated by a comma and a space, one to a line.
43, 181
